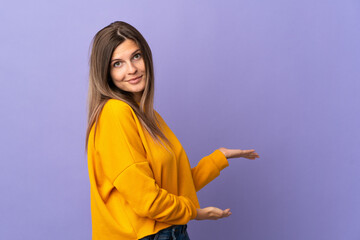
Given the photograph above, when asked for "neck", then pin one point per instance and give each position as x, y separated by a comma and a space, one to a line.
137, 97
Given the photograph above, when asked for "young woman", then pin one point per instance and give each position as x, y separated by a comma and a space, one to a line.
141, 182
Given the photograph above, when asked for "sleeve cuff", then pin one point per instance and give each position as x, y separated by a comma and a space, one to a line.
193, 208
219, 159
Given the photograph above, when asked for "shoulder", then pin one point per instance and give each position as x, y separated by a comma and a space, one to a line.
115, 104
117, 108
117, 111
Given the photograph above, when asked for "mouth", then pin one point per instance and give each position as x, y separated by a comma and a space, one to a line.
133, 80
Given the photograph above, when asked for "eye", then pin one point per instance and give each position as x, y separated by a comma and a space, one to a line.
117, 64
137, 56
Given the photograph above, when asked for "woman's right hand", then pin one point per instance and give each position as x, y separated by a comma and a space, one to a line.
212, 213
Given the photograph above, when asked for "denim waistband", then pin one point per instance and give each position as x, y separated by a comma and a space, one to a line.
175, 229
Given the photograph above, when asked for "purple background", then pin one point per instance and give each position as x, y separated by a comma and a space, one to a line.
279, 76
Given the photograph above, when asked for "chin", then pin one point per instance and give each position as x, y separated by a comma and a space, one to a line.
139, 87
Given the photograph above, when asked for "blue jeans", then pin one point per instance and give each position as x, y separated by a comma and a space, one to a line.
177, 232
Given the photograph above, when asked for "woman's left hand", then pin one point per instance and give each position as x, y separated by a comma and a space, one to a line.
237, 153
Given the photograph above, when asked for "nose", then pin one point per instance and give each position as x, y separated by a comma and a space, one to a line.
132, 68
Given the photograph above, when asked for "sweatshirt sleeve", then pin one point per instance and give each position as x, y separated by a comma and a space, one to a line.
124, 163
208, 169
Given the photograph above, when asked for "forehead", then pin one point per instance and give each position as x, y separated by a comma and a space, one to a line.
125, 49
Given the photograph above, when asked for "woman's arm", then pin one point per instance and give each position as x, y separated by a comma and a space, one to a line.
210, 166
147, 199
205, 172
208, 169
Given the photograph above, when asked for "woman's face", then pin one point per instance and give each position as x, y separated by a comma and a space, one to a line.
127, 68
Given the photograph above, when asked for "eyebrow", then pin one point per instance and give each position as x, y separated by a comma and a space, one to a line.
117, 59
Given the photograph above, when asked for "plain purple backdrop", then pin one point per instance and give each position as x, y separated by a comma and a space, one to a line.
279, 76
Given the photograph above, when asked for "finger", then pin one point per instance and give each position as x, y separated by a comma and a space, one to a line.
250, 155
221, 214
227, 210
218, 213
227, 214
252, 152
248, 151
224, 214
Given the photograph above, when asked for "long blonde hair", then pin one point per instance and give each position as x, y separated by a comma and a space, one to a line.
102, 88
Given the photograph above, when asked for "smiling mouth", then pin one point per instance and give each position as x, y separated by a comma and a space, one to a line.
134, 79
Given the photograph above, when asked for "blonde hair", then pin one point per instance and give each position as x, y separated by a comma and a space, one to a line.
102, 88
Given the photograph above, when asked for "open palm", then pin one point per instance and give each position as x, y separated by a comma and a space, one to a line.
237, 153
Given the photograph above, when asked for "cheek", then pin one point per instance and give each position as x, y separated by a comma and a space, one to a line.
141, 66
117, 75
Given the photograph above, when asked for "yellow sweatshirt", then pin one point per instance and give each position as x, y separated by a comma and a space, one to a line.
137, 187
